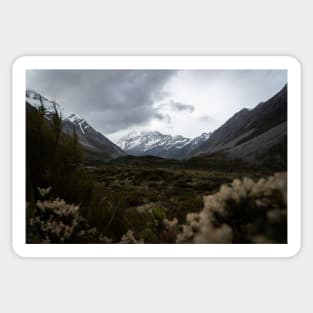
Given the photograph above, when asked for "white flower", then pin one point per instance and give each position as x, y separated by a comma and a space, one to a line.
211, 224
44, 191
130, 238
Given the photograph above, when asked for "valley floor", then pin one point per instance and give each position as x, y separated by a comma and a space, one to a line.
152, 200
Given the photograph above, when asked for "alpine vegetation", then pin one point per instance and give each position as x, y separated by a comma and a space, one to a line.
243, 212
166, 157
55, 221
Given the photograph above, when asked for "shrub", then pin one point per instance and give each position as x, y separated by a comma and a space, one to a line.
106, 212
55, 221
243, 212
129, 237
170, 230
54, 158
146, 221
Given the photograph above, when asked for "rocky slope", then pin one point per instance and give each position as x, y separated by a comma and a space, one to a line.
255, 135
94, 143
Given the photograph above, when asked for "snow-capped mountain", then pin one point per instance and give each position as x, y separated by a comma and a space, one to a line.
37, 100
94, 143
158, 144
195, 142
78, 120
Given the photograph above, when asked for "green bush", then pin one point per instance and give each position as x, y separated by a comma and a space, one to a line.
54, 158
106, 212
146, 221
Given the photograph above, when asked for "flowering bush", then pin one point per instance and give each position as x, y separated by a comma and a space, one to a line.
243, 212
129, 237
55, 221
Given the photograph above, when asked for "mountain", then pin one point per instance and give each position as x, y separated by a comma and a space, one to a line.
157, 144
95, 145
257, 135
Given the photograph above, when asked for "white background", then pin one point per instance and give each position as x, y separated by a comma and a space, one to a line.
159, 27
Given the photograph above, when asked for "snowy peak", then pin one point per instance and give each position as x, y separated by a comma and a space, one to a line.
78, 120
74, 118
37, 100
95, 144
158, 144
200, 139
146, 140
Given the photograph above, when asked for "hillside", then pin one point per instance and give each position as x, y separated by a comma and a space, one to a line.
96, 146
256, 136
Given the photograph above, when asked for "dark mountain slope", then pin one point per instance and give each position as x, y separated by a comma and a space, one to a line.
251, 134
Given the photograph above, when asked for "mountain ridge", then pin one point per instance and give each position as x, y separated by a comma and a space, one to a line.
155, 143
95, 144
250, 134
253, 135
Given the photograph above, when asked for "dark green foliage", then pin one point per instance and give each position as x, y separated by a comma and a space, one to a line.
106, 212
54, 159
124, 184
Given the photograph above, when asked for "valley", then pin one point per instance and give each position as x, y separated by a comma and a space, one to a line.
169, 188
152, 187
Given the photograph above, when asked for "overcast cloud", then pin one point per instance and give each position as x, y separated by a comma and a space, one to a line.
110, 100
176, 106
186, 102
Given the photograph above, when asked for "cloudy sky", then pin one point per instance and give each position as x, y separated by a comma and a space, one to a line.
183, 102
